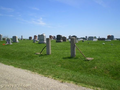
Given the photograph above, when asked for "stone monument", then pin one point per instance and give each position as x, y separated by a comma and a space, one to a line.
30, 38
64, 39
35, 38
15, 39
21, 37
8, 41
59, 38
42, 38
0, 37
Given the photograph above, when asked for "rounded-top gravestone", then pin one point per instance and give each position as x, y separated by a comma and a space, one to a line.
59, 38
35, 38
30, 38
15, 39
64, 39
8, 41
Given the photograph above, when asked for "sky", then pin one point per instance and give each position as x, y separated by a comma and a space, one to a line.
65, 17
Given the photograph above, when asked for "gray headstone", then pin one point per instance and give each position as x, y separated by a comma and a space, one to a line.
8, 41
15, 39
0, 37
35, 39
30, 38
21, 37
42, 38
59, 38
64, 39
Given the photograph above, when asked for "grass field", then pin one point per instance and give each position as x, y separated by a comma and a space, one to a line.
102, 72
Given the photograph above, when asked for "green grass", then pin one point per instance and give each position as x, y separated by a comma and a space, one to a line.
102, 72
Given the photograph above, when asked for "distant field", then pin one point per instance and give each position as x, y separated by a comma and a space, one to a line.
102, 72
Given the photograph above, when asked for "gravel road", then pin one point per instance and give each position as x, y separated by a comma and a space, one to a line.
12, 78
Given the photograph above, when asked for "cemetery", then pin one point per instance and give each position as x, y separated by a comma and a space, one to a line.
87, 62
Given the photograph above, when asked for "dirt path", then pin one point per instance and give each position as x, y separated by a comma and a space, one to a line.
12, 78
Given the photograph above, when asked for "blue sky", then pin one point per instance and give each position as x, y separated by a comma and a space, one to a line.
65, 17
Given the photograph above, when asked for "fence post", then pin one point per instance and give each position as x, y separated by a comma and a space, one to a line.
48, 46
73, 48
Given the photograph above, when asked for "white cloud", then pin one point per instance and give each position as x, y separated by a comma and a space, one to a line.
39, 22
7, 9
34, 21
34, 8
6, 15
100, 2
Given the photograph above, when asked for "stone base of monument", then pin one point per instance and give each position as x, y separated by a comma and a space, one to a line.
42, 42
59, 40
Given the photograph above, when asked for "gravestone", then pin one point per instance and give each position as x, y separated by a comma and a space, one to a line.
21, 37
64, 39
51, 37
42, 38
4, 39
59, 38
8, 41
15, 39
30, 38
76, 41
0, 37
35, 38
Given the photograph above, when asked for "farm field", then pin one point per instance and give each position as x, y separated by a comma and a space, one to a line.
102, 72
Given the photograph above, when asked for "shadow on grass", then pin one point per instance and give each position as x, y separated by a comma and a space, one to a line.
70, 57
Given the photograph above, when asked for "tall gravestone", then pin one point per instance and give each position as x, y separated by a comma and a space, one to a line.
42, 38
59, 38
64, 39
21, 37
0, 37
8, 41
35, 38
15, 39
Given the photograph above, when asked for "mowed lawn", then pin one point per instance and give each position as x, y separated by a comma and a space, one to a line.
102, 72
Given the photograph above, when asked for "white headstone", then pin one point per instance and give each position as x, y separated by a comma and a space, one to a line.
8, 41
42, 38
15, 39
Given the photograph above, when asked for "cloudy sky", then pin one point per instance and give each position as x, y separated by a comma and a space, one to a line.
65, 17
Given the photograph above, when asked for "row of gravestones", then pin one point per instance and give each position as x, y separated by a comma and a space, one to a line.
8, 40
41, 38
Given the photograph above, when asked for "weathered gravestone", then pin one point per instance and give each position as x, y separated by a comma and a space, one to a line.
35, 39
8, 41
0, 37
21, 37
30, 38
4, 39
15, 39
59, 38
64, 39
42, 38
51, 37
